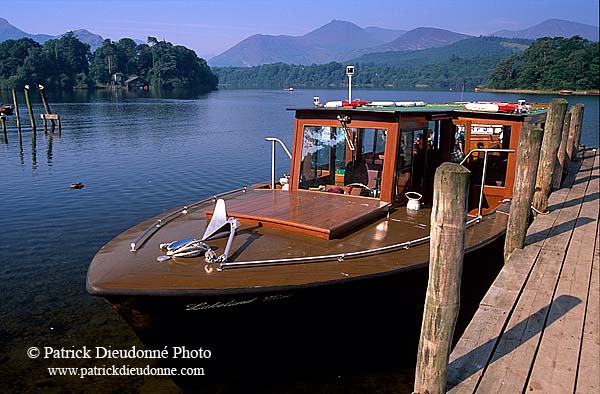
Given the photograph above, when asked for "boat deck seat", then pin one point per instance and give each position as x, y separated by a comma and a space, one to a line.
320, 214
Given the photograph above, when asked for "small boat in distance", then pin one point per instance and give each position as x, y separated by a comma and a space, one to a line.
6, 109
324, 260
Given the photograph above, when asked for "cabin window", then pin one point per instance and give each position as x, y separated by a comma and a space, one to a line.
487, 136
457, 146
334, 159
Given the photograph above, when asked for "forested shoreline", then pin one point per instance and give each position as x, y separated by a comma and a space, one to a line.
67, 63
548, 64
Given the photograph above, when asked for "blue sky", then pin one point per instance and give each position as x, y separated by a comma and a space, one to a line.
212, 26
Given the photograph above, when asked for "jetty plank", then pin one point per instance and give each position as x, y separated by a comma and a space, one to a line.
509, 367
554, 369
476, 345
536, 329
588, 372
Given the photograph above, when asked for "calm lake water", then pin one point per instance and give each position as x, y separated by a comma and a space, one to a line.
138, 156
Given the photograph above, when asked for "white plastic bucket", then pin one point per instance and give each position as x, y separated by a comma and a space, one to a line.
414, 203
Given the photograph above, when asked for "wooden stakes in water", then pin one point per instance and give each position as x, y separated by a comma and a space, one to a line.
448, 224
47, 108
29, 109
550, 145
528, 156
16, 105
4, 135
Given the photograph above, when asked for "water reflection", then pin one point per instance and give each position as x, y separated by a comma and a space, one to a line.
128, 147
49, 149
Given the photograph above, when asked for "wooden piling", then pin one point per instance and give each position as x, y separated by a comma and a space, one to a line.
29, 109
16, 105
4, 135
448, 223
46, 107
550, 144
528, 156
561, 155
567, 130
575, 131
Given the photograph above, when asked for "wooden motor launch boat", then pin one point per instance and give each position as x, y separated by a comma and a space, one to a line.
330, 260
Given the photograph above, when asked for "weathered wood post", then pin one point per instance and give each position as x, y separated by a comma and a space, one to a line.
4, 135
520, 208
567, 130
550, 143
16, 105
561, 155
575, 131
29, 109
46, 107
442, 302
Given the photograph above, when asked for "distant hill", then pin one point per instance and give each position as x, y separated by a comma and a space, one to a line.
422, 38
474, 47
10, 32
385, 35
335, 41
553, 28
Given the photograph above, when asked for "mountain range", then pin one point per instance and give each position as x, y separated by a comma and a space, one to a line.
343, 41
10, 32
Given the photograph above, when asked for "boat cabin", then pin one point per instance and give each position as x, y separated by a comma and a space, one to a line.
384, 152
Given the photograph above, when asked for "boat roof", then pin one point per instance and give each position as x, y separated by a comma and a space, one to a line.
457, 108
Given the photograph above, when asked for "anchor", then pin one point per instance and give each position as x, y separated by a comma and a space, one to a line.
193, 247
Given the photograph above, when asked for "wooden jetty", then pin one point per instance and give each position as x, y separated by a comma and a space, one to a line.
536, 329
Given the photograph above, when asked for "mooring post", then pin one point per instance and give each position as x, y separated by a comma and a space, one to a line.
442, 302
550, 144
4, 135
575, 131
528, 157
29, 109
16, 105
46, 107
567, 131
562, 153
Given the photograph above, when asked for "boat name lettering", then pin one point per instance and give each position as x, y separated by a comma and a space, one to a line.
205, 305
218, 304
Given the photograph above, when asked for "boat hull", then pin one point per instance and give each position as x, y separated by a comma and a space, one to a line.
372, 322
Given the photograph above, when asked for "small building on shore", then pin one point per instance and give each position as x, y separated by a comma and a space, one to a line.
136, 82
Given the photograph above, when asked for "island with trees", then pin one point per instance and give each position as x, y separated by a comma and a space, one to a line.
67, 63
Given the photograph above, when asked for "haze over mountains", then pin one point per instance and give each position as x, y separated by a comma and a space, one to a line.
342, 41
10, 32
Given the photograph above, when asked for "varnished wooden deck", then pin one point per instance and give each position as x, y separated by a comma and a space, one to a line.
325, 215
536, 330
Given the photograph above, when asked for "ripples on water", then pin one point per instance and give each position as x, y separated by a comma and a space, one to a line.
137, 156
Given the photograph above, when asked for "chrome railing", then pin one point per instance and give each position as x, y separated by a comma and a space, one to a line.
485, 161
136, 244
287, 151
341, 257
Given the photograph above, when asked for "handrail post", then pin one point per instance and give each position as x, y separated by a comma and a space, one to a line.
272, 164
286, 150
485, 160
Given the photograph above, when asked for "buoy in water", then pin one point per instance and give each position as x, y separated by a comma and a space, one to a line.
77, 185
